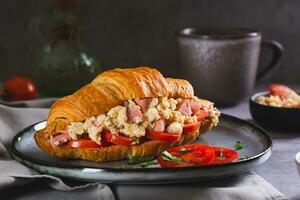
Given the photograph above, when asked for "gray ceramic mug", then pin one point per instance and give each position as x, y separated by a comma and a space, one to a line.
221, 63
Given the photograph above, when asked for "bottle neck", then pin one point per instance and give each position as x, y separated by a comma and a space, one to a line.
61, 15
64, 8
65, 25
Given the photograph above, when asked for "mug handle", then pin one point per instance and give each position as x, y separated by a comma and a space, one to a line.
277, 50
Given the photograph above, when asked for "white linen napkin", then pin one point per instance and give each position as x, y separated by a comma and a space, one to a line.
15, 176
20, 182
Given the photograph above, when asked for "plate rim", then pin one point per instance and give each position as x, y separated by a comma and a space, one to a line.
16, 154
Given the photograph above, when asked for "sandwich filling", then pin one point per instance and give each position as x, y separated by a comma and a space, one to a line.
138, 120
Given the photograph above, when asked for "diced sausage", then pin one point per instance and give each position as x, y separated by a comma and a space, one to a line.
60, 138
184, 107
134, 114
195, 106
159, 125
144, 103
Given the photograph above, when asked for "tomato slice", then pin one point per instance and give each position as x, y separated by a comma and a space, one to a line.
195, 153
117, 139
191, 155
170, 164
82, 143
162, 136
201, 115
224, 155
191, 128
280, 90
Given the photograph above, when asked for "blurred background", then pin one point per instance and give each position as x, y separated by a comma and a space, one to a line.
132, 33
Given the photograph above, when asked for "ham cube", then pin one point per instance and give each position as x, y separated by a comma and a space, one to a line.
195, 106
134, 114
60, 138
184, 107
144, 103
159, 125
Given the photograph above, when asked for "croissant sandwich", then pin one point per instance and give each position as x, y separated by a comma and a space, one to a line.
124, 113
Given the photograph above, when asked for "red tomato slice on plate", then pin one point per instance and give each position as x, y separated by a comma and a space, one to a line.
224, 155
191, 128
117, 139
196, 153
162, 136
82, 143
170, 164
201, 115
190, 155
280, 90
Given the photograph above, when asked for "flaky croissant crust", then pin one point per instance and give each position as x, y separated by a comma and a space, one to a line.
109, 89
112, 88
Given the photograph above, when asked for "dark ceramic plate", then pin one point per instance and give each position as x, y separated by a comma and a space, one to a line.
274, 117
257, 149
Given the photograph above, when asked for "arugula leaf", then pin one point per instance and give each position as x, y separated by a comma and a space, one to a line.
139, 159
169, 157
238, 145
184, 150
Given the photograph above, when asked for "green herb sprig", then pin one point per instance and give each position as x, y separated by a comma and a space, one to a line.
169, 157
139, 159
184, 150
238, 145
143, 162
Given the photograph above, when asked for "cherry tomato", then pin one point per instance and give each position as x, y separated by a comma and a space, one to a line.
190, 155
191, 128
280, 90
20, 88
162, 136
201, 115
117, 139
82, 143
224, 155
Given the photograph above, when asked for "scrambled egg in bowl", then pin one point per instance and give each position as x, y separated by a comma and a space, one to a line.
280, 96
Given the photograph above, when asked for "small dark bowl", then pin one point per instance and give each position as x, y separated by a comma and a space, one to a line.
274, 117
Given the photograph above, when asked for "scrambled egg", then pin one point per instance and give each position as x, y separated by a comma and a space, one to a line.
189, 120
116, 117
175, 128
133, 130
93, 130
116, 120
76, 128
152, 115
153, 103
291, 101
177, 116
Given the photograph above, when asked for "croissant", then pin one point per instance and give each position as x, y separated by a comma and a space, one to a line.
108, 90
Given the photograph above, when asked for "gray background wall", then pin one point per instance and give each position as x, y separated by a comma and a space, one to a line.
141, 32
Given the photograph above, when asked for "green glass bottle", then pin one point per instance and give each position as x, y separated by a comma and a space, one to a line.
63, 65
